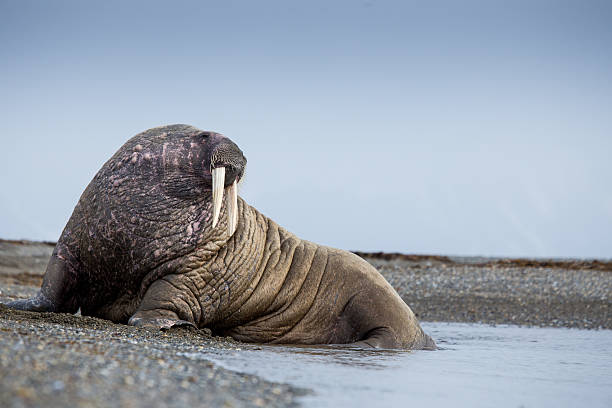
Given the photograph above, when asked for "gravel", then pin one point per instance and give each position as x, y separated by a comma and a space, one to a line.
64, 360
70, 360
503, 291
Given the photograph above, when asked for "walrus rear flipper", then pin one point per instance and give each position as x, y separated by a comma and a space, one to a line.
384, 337
380, 337
57, 293
36, 304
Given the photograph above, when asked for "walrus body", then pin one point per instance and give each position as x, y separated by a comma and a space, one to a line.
141, 248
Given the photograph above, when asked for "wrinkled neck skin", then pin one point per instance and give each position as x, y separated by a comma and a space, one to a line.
232, 282
224, 271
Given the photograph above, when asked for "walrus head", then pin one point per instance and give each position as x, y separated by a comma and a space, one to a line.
166, 176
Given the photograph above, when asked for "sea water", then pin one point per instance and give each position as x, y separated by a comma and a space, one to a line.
476, 366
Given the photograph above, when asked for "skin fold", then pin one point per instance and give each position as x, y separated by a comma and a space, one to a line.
140, 249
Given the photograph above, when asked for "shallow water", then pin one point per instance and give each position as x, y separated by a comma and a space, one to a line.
477, 366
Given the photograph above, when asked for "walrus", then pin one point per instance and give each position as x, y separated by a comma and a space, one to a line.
160, 238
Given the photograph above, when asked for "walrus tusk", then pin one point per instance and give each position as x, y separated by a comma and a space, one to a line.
218, 182
232, 208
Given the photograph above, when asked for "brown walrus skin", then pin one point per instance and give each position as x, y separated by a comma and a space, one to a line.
140, 248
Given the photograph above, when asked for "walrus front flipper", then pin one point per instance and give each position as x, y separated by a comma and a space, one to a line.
164, 306
57, 293
143, 319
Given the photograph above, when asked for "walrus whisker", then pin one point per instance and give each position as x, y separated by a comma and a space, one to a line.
218, 181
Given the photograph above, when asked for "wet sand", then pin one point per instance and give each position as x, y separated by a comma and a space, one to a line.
65, 360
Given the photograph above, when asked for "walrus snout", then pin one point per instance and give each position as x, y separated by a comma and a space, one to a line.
227, 154
227, 163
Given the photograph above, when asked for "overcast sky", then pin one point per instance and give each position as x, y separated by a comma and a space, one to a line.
439, 127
